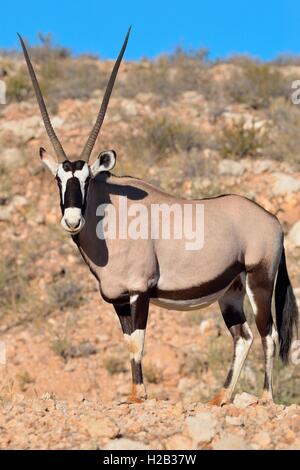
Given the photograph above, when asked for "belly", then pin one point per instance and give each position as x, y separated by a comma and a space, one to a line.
188, 304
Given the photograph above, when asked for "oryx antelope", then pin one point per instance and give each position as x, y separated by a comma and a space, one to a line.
242, 253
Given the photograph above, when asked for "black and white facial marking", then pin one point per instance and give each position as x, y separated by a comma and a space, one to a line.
73, 178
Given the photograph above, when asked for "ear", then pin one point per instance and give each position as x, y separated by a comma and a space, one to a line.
49, 161
105, 162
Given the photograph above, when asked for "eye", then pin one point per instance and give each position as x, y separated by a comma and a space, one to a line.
67, 166
79, 165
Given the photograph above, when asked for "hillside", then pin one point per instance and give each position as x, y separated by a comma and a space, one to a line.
194, 128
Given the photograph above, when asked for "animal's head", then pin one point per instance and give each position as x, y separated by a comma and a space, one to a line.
73, 177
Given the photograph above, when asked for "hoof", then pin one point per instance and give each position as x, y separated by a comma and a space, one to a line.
222, 398
266, 398
132, 399
138, 394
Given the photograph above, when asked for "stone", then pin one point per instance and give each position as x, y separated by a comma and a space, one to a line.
19, 201
234, 420
209, 328
201, 428
262, 439
179, 442
244, 399
101, 427
262, 166
5, 213
126, 444
294, 234
129, 107
25, 129
11, 157
285, 184
231, 442
230, 167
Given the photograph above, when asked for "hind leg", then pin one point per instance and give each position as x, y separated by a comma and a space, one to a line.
259, 288
231, 305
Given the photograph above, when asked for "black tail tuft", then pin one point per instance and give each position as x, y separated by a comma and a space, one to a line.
286, 310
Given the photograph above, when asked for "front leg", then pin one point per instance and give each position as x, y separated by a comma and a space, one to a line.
133, 318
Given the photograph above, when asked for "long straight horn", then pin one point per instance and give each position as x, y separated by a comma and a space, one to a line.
48, 126
86, 153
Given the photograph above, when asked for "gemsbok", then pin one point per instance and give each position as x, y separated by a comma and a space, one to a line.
239, 250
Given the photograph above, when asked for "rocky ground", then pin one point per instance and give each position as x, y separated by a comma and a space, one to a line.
66, 377
49, 423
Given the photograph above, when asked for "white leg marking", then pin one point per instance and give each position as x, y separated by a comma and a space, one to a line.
242, 347
251, 297
269, 347
135, 343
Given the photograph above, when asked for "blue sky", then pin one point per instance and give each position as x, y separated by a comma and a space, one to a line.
261, 28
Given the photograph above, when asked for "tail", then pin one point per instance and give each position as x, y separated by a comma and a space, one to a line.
286, 310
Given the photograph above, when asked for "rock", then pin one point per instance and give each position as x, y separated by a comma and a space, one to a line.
12, 157
101, 427
234, 420
262, 166
285, 184
230, 167
18, 398
244, 399
126, 444
263, 439
249, 375
201, 428
19, 201
247, 119
129, 107
5, 213
294, 234
231, 442
179, 442
209, 328
25, 129
85, 348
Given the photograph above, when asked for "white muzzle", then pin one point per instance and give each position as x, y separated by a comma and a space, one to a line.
72, 220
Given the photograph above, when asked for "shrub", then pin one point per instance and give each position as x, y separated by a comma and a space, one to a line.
195, 363
70, 79
284, 140
169, 76
238, 140
63, 348
256, 84
25, 379
114, 364
152, 374
161, 137
65, 293
47, 49
18, 86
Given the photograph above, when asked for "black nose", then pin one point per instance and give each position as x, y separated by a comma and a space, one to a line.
73, 226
